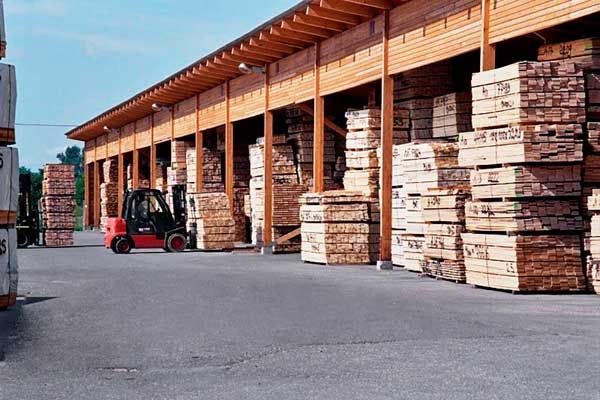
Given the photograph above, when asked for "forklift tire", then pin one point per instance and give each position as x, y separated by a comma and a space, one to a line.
122, 246
176, 243
22, 240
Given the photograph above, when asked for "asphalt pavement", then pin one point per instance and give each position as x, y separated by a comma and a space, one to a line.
152, 325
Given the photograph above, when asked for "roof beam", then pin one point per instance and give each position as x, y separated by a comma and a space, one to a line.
320, 22
254, 56
246, 59
269, 37
380, 4
348, 8
332, 15
273, 45
311, 30
264, 51
303, 37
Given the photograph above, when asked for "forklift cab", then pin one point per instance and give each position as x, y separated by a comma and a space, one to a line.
147, 213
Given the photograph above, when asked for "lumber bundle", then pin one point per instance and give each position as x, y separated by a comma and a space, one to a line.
524, 263
593, 261
339, 227
9, 185
212, 180
398, 205
58, 204
415, 90
161, 182
109, 191
527, 147
9, 272
213, 220
584, 52
8, 104
452, 114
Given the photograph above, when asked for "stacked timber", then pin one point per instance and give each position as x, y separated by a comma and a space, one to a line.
424, 166
9, 179
444, 214
58, 204
415, 90
211, 215
452, 115
525, 218
300, 131
190, 168
212, 180
143, 181
337, 228
286, 194
241, 181
398, 205
161, 181
109, 191
585, 52
177, 171
593, 260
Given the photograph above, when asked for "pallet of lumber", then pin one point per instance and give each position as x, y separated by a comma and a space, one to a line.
58, 187
524, 263
521, 144
339, 227
9, 185
413, 257
452, 114
214, 221
445, 205
519, 94
8, 104
520, 181
9, 273
524, 215
569, 50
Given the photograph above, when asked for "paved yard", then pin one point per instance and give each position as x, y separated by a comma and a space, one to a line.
242, 326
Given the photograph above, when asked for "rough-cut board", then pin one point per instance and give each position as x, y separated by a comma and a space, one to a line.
524, 263
8, 103
445, 205
526, 181
9, 272
9, 185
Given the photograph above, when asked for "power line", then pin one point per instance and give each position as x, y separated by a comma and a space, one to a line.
49, 125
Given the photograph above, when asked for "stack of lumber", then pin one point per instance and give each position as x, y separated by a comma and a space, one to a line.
300, 131
585, 52
525, 215
593, 261
161, 182
337, 228
444, 214
213, 219
398, 205
286, 193
9, 178
212, 180
241, 181
58, 204
424, 166
143, 182
415, 90
109, 192
177, 172
452, 115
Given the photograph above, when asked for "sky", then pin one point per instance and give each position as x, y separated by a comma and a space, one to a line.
77, 58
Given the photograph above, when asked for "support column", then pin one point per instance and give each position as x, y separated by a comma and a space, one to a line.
319, 126
229, 153
97, 166
120, 181
87, 201
199, 150
488, 51
152, 157
387, 142
135, 169
268, 174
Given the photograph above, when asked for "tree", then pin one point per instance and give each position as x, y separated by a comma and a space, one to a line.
72, 155
36, 183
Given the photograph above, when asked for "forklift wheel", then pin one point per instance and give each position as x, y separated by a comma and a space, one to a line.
176, 243
122, 246
22, 240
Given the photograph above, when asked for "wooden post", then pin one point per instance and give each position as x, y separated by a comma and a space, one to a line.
387, 141
319, 127
96, 222
120, 181
135, 168
228, 152
488, 51
199, 150
87, 220
152, 156
268, 174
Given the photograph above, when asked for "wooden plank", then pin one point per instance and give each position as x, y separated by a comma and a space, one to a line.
387, 143
120, 182
153, 172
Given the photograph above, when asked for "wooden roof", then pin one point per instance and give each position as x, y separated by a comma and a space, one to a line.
301, 26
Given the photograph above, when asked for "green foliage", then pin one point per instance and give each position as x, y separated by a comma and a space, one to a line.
36, 183
74, 155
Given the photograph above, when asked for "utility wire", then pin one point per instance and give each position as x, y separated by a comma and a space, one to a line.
49, 125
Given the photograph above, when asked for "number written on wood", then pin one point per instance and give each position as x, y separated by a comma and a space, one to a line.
2, 247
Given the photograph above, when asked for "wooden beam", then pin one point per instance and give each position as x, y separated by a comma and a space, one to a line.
87, 201
289, 236
319, 126
348, 8
380, 4
136, 160
328, 122
285, 40
199, 150
96, 194
246, 59
332, 15
273, 45
152, 156
302, 37
229, 149
268, 173
320, 22
264, 51
308, 29
120, 182
387, 143
254, 58
488, 51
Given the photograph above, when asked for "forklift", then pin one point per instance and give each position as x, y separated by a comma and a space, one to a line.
28, 216
147, 222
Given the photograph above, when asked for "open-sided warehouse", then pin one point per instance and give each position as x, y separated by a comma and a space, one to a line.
329, 97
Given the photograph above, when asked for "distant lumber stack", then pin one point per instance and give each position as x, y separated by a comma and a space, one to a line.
337, 228
593, 261
452, 114
109, 191
524, 218
58, 204
214, 222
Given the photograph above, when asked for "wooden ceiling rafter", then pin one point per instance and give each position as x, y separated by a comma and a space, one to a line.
349, 8
320, 22
255, 58
321, 33
333, 15
308, 39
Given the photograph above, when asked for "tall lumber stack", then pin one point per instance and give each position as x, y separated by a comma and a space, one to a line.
421, 167
300, 129
212, 179
415, 91
337, 228
109, 191
177, 171
524, 219
58, 204
444, 215
9, 182
143, 182
241, 182
286, 193
593, 260
452, 115
398, 205
214, 222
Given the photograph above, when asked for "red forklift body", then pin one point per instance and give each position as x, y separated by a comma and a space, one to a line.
114, 227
